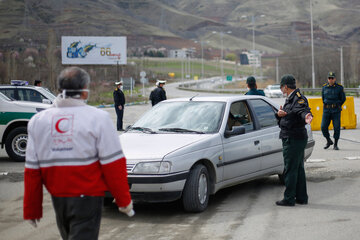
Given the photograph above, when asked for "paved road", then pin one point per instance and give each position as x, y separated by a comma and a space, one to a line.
246, 211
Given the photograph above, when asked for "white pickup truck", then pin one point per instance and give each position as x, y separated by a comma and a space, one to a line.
14, 117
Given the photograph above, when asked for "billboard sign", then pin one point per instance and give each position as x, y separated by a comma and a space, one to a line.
93, 50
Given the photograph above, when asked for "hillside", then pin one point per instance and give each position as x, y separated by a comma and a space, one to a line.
278, 25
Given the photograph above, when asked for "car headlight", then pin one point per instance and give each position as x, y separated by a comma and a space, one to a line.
152, 167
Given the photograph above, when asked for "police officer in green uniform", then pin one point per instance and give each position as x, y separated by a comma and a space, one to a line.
333, 98
251, 84
292, 118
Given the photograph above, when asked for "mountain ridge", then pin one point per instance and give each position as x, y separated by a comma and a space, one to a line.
278, 24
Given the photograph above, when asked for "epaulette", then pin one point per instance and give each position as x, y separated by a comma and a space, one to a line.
298, 94
339, 84
325, 84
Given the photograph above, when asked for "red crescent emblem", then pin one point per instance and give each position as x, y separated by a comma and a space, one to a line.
57, 125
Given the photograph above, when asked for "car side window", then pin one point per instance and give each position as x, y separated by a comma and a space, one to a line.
10, 93
265, 113
30, 95
239, 115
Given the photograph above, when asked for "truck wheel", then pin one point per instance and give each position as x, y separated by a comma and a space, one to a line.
15, 144
196, 191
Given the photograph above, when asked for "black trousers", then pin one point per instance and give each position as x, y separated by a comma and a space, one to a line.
326, 119
295, 178
78, 217
120, 114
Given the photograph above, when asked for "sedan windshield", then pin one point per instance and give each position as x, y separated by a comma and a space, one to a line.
183, 117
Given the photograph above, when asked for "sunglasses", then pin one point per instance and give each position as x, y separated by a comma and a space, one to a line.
330, 78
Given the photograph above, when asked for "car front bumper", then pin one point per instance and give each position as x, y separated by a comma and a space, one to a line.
156, 187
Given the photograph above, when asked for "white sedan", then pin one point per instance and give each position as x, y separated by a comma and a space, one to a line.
189, 149
273, 91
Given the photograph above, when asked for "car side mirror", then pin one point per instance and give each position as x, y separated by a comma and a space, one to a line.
236, 130
47, 101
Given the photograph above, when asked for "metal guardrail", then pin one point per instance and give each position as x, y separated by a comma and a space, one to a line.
194, 86
356, 91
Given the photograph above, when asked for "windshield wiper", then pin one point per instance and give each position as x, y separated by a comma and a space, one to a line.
181, 130
143, 129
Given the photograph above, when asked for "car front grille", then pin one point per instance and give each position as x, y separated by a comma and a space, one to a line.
130, 167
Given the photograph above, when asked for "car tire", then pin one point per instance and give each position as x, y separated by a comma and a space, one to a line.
15, 144
197, 190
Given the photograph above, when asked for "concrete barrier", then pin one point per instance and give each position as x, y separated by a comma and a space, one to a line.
348, 116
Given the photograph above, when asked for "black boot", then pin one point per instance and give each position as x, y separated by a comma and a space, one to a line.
329, 143
335, 145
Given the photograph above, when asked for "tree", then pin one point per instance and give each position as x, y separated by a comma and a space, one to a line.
231, 57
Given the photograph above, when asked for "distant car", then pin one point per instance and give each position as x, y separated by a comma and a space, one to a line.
190, 148
20, 91
273, 91
14, 117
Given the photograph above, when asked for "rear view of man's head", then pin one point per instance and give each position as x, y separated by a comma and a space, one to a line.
72, 79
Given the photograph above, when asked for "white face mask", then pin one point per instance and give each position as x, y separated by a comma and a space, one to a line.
63, 94
283, 92
121, 87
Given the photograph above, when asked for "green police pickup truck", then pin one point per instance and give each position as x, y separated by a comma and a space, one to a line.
14, 117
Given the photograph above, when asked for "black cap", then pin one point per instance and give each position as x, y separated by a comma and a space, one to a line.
331, 74
287, 79
250, 80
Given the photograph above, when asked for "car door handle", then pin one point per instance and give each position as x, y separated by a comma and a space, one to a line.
256, 142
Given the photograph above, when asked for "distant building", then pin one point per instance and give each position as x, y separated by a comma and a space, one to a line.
244, 59
181, 53
252, 58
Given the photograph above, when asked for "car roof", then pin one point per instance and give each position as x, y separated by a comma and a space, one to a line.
230, 98
18, 86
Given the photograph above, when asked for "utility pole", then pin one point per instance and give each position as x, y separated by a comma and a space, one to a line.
341, 66
222, 55
253, 43
182, 69
202, 59
277, 69
221, 59
312, 47
253, 32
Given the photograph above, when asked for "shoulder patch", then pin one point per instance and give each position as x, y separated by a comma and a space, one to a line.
301, 101
298, 94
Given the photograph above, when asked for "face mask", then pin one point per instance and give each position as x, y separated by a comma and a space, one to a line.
63, 94
283, 92
121, 87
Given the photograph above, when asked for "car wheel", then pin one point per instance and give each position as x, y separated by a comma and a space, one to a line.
196, 191
15, 144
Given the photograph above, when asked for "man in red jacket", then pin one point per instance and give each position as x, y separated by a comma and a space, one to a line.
74, 151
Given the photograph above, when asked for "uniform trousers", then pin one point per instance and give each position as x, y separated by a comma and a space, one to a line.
119, 114
294, 174
78, 217
326, 119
